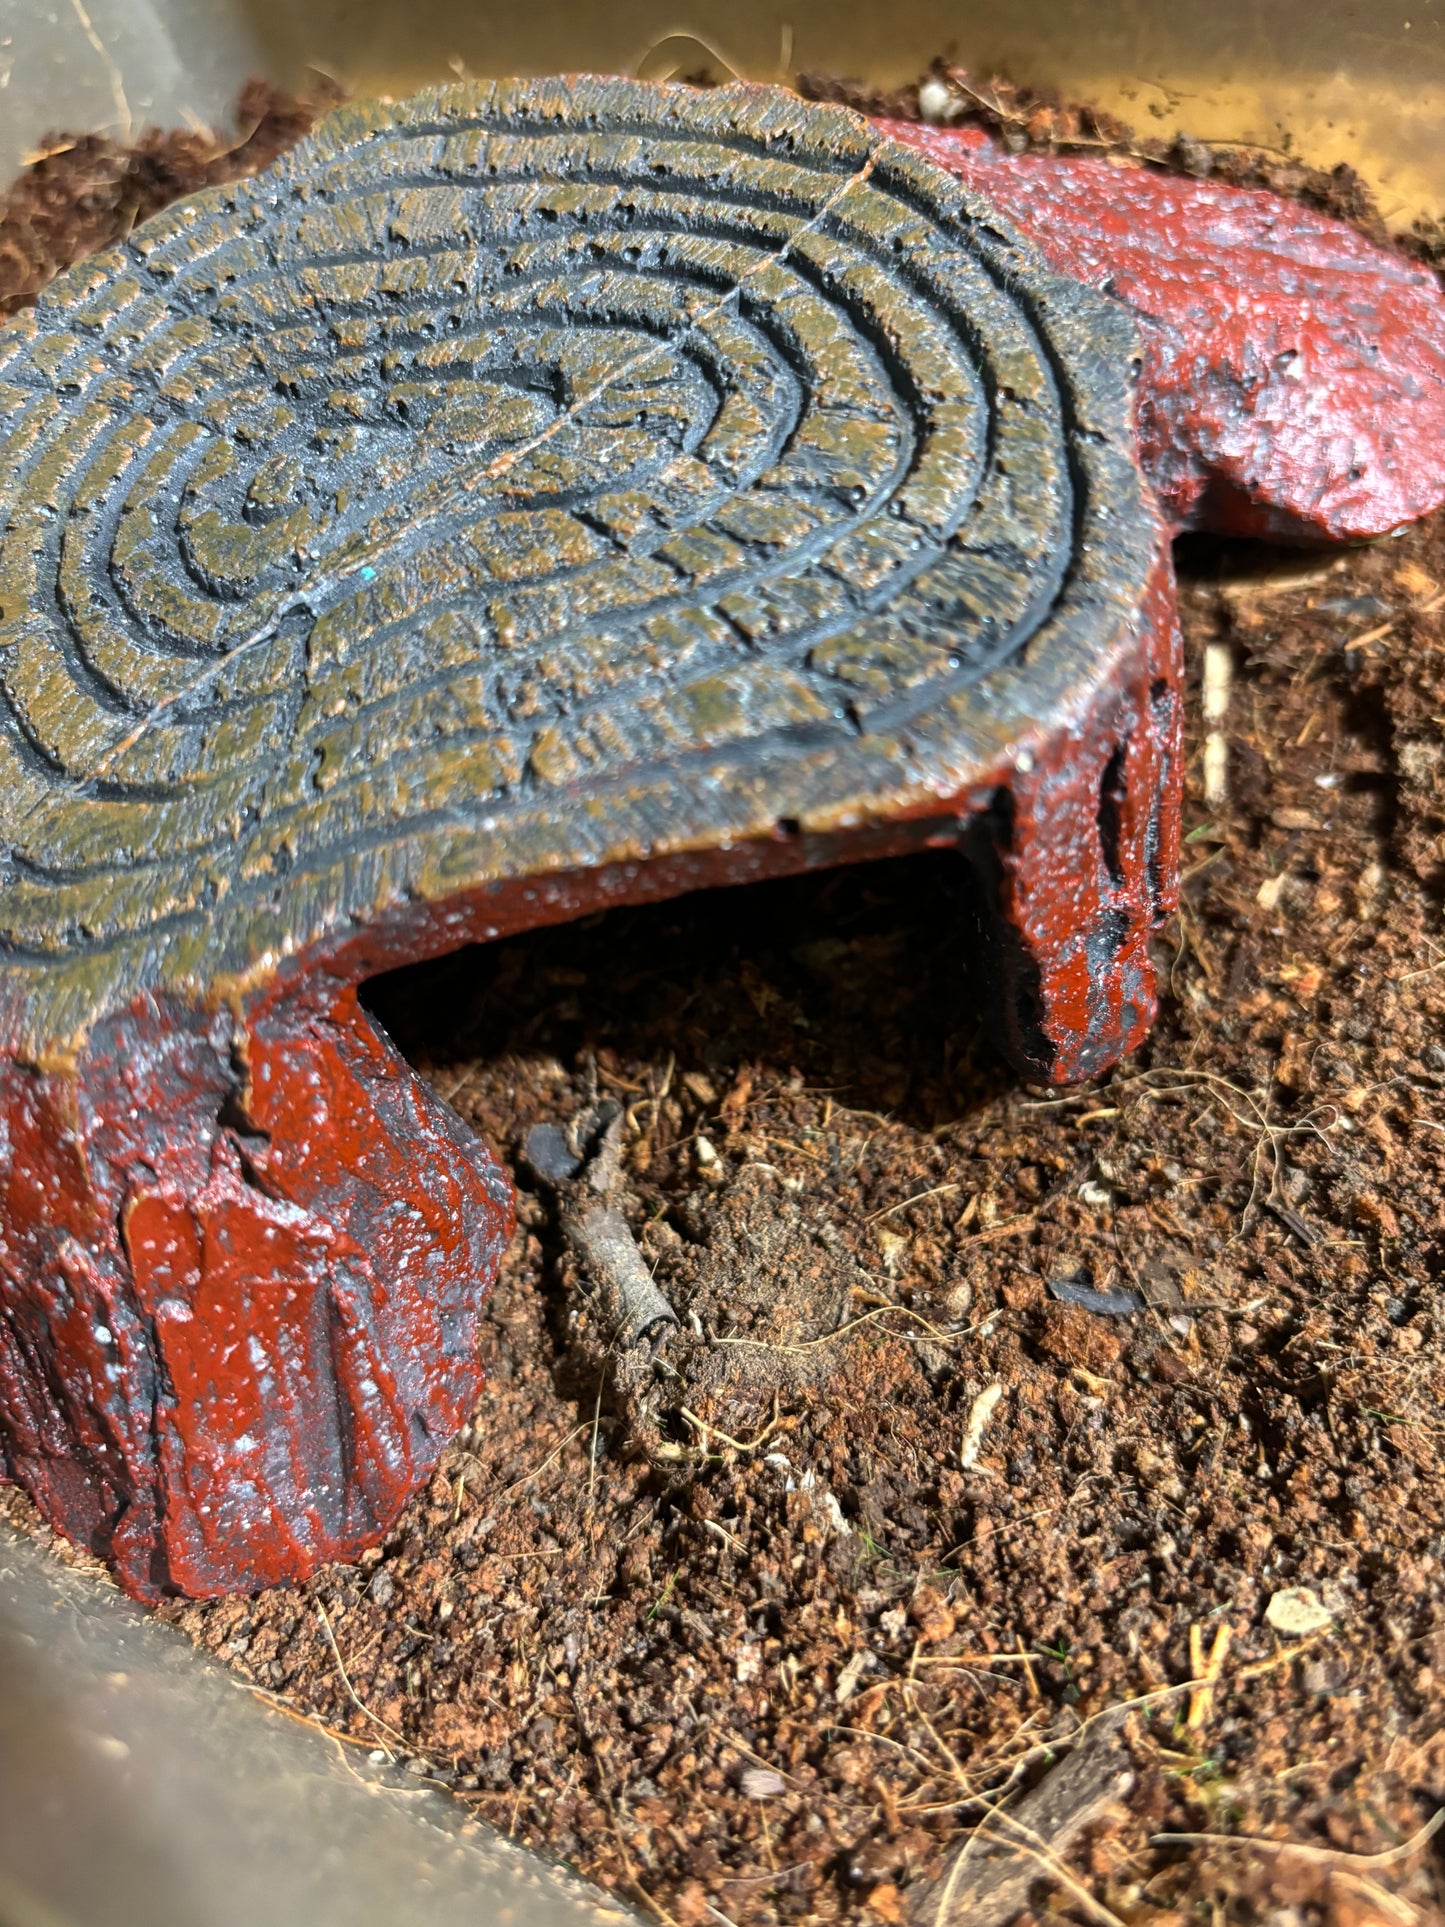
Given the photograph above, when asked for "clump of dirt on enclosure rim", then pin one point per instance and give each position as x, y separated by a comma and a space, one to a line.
990, 1411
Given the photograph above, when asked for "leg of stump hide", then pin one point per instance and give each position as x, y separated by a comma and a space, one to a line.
1082, 862
239, 1284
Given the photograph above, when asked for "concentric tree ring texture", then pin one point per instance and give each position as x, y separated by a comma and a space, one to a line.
523, 496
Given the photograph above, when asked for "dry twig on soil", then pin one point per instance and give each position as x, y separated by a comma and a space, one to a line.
582, 1169
985, 1889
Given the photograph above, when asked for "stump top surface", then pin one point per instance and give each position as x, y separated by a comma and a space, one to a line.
519, 479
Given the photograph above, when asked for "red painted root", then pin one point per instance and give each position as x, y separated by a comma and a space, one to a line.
252, 1267
1294, 372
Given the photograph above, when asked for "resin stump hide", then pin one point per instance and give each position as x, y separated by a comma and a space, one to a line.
523, 499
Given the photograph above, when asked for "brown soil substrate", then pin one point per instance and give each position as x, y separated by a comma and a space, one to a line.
760, 1631
84, 192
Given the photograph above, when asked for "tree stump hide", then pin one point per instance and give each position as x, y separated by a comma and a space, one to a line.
523, 499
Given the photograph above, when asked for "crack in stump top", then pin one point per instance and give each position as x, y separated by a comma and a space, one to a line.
520, 479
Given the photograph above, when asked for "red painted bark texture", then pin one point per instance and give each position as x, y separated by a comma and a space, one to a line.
240, 1315
1088, 867
1294, 373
